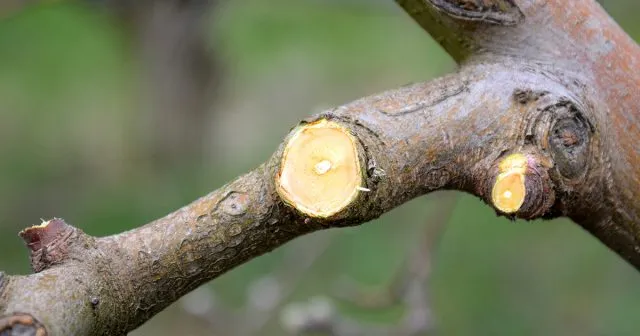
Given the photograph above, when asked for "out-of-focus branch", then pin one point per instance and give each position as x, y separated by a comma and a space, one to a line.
180, 71
7, 8
181, 74
408, 288
267, 294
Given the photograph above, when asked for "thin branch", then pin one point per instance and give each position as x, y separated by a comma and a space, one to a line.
409, 286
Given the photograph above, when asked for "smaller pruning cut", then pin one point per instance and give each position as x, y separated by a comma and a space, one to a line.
509, 190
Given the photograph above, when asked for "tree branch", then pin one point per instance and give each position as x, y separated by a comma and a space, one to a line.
580, 38
533, 124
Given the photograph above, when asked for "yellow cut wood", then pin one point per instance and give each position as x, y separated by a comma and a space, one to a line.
320, 171
509, 190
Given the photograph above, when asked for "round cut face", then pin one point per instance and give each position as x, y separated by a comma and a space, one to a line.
320, 170
509, 190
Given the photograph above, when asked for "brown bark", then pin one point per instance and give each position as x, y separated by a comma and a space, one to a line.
552, 80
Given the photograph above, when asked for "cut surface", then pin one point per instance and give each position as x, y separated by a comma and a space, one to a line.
509, 190
320, 170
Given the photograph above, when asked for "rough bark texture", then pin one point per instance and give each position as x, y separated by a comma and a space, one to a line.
553, 80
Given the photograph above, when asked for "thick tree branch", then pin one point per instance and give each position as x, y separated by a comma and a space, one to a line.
579, 37
448, 133
534, 124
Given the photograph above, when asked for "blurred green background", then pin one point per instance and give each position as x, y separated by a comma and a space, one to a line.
110, 118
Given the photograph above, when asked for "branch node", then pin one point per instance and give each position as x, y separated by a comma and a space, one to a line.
19, 324
501, 12
48, 242
95, 301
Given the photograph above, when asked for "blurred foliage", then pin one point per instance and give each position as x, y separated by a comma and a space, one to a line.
70, 140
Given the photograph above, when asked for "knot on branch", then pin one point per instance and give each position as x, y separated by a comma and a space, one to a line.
569, 141
558, 128
48, 243
548, 161
19, 324
502, 12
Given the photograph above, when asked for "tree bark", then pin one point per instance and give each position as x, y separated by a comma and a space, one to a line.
552, 82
